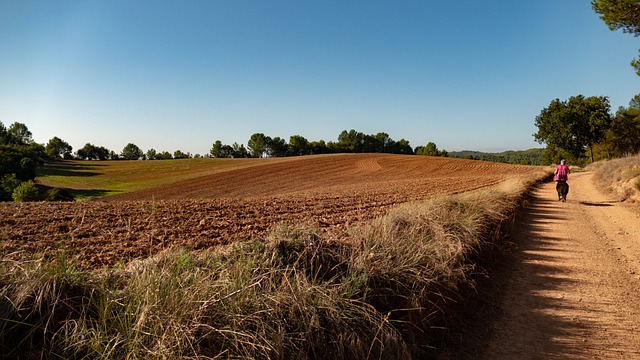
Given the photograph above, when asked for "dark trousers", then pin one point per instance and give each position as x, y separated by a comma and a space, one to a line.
563, 189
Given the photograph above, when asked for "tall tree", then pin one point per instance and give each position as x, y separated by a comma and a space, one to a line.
298, 145
92, 152
239, 151
131, 152
19, 157
278, 147
19, 134
431, 150
4, 134
257, 145
623, 137
351, 141
151, 154
574, 125
58, 148
216, 149
178, 154
384, 143
620, 14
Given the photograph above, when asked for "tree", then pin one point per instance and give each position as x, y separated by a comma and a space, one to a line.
430, 150
574, 125
91, 152
278, 147
403, 147
19, 155
178, 154
58, 148
384, 143
350, 141
226, 151
257, 145
151, 154
165, 155
317, 147
239, 151
624, 135
216, 150
298, 145
131, 152
20, 134
4, 134
620, 14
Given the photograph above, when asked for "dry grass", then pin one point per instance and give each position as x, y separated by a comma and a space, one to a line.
383, 293
620, 177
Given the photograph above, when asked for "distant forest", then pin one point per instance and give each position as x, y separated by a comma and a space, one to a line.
521, 157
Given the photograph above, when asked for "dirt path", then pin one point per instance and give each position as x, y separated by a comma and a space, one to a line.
573, 289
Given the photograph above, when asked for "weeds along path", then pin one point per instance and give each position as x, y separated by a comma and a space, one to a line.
235, 202
572, 291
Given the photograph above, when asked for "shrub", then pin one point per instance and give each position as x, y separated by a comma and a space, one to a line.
8, 184
26, 191
58, 194
27, 170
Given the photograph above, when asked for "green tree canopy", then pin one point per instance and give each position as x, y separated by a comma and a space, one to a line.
216, 149
178, 154
298, 145
164, 155
92, 152
58, 148
278, 147
19, 158
574, 125
623, 137
19, 134
151, 154
620, 14
131, 152
258, 145
431, 150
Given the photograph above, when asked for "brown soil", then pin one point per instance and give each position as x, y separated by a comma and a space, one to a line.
410, 177
330, 192
571, 290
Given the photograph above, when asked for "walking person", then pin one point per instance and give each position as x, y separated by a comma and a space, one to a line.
560, 176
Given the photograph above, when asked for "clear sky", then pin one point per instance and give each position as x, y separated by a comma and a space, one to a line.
169, 75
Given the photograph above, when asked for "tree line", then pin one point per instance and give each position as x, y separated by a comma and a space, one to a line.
520, 157
582, 129
20, 155
352, 141
259, 145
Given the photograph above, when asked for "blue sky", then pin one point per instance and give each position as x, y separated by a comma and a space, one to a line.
169, 75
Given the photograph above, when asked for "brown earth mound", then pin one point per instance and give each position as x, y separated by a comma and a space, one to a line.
330, 192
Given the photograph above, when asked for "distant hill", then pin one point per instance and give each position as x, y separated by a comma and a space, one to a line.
521, 157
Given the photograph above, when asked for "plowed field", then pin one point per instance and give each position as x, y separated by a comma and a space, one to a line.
330, 192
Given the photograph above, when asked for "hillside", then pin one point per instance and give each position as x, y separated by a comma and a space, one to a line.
344, 174
207, 202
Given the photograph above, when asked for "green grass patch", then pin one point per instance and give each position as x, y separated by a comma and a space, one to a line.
93, 179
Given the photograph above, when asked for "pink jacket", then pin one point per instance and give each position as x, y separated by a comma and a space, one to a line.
562, 172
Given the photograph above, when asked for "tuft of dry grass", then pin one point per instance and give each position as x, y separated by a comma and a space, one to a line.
382, 293
619, 176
